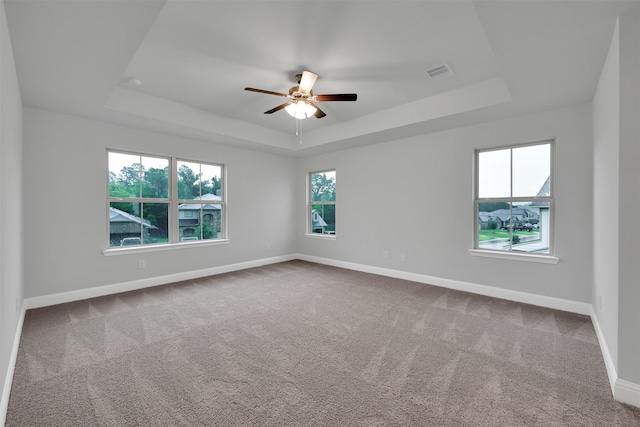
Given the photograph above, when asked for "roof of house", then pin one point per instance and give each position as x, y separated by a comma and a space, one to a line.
545, 191
116, 215
206, 206
316, 220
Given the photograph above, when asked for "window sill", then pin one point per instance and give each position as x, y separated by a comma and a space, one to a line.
320, 236
162, 247
545, 259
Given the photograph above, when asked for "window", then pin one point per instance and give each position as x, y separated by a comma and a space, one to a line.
513, 198
159, 200
138, 201
200, 200
322, 202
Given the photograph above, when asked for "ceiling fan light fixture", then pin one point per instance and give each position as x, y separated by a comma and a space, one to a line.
300, 109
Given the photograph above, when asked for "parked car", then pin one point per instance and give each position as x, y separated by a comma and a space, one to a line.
527, 226
185, 239
130, 241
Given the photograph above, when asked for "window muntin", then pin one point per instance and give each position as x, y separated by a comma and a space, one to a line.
138, 201
513, 203
200, 201
144, 194
322, 203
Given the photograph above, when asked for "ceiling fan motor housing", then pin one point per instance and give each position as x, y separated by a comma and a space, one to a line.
295, 94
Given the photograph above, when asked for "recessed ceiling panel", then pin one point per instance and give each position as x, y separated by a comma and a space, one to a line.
203, 54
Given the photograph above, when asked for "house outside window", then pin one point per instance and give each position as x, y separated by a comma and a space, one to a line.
322, 203
200, 200
138, 199
513, 198
159, 200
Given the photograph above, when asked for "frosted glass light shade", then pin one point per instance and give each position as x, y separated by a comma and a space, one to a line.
300, 110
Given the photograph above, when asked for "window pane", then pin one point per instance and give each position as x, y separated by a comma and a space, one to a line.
188, 180
155, 177
525, 224
156, 225
323, 186
211, 179
531, 170
323, 219
210, 222
124, 175
199, 221
494, 173
133, 224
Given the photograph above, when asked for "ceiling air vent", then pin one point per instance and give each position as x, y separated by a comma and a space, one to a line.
440, 71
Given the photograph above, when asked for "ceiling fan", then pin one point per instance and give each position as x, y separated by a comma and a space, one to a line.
301, 103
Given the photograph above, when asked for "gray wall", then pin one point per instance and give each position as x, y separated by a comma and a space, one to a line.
629, 267
616, 113
606, 140
414, 196
11, 252
65, 208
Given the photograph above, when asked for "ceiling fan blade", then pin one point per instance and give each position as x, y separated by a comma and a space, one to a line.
278, 108
265, 91
319, 113
336, 97
307, 81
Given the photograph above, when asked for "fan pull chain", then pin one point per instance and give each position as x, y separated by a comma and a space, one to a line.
299, 129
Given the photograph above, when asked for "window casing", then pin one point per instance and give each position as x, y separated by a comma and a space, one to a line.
156, 200
513, 200
321, 207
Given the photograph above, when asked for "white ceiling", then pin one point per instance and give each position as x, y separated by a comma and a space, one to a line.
194, 59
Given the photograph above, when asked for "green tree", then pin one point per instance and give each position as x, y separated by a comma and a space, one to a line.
156, 183
213, 186
188, 183
323, 189
493, 206
130, 175
205, 231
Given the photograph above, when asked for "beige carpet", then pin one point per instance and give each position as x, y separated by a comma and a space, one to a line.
300, 344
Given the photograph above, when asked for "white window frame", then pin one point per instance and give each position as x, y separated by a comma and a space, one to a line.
200, 216
173, 203
310, 203
510, 253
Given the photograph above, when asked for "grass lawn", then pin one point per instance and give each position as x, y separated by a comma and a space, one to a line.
502, 234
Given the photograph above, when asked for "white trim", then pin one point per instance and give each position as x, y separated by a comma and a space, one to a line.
8, 381
627, 392
517, 256
320, 236
491, 291
623, 391
99, 291
118, 250
608, 360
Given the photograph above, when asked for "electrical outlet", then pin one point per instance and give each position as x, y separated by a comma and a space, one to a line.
403, 257
600, 302
385, 254
142, 263
267, 247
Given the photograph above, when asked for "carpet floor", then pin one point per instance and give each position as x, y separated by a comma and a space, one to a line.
302, 344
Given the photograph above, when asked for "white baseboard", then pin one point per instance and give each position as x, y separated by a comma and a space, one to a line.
623, 391
608, 360
99, 291
627, 392
490, 291
8, 381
